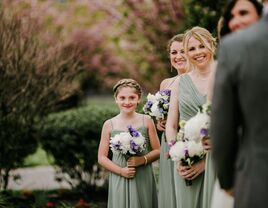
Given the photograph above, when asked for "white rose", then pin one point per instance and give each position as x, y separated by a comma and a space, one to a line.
151, 98
155, 110
194, 125
194, 148
158, 95
176, 152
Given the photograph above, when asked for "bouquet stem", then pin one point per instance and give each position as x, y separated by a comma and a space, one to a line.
188, 182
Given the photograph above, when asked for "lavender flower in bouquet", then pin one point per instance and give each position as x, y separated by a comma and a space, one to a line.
157, 105
197, 127
128, 143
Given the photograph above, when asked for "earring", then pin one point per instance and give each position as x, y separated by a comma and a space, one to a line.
171, 68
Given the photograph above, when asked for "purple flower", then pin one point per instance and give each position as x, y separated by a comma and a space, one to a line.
133, 146
186, 152
161, 110
204, 132
133, 132
165, 92
171, 143
147, 106
117, 146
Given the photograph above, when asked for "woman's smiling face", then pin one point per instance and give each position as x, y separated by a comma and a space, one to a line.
243, 15
177, 56
198, 53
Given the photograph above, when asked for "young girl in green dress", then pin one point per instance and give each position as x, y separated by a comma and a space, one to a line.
131, 181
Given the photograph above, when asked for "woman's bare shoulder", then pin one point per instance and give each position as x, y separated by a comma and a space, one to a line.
169, 82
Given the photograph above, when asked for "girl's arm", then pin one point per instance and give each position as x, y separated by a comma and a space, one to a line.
173, 113
155, 145
103, 151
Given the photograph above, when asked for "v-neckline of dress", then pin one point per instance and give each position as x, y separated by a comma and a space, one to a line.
194, 86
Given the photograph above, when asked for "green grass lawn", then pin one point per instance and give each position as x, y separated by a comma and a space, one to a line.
40, 157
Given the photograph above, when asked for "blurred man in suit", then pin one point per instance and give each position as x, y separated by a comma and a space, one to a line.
239, 124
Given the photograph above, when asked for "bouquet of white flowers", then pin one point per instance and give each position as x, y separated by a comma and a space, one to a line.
128, 143
188, 148
157, 105
188, 152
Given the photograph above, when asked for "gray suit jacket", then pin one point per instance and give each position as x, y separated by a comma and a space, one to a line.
239, 124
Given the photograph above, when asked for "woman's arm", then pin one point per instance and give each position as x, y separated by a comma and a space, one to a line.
173, 113
103, 151
211, 80
154, 154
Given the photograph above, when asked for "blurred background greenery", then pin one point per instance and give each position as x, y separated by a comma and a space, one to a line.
58, 62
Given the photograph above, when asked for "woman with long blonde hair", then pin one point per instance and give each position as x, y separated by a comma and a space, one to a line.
190, 92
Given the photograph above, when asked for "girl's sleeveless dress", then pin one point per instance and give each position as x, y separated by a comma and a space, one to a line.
139, 192
190, 99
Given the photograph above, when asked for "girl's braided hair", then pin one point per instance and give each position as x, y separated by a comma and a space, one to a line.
127, 83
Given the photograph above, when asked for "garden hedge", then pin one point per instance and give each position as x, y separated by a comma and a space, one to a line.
72, 138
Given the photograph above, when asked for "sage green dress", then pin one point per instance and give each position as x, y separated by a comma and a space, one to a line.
209, 181
139, 192
189, 101
166, 196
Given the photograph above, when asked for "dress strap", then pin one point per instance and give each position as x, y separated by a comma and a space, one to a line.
172, 81
143, 120
111, 124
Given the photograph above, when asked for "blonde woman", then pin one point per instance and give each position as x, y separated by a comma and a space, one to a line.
190, 92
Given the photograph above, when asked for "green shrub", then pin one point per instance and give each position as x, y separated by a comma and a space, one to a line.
39, 158
72, 138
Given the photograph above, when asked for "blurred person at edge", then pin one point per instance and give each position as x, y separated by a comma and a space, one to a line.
238, 14
241, 147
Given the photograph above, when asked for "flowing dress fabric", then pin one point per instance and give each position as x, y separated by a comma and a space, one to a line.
209, 181
139, 192
166, 196
220, 199
190, 99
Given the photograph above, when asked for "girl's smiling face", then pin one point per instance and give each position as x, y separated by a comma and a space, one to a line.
127, 99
